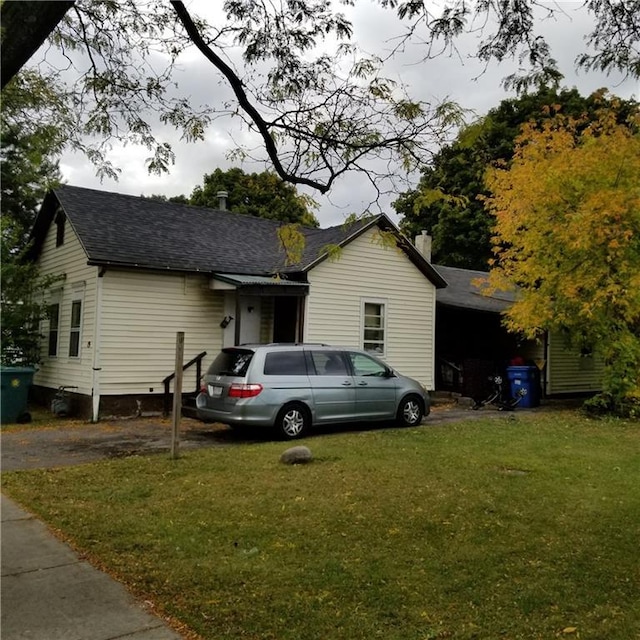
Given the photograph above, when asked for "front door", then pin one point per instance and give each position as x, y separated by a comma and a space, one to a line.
285, 318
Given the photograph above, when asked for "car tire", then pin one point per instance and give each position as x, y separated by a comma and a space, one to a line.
293, 421
410, 411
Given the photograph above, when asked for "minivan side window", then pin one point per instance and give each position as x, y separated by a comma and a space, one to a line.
365, 366
329, 363
285, 363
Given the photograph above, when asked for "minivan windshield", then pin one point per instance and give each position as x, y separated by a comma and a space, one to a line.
231, 362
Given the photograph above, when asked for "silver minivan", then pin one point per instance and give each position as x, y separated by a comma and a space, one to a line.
292, 387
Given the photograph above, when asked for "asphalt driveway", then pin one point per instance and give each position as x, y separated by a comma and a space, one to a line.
67, 442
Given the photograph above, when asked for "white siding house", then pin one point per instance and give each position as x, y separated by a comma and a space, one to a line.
137, 271
369, 273
64, 363
141, 314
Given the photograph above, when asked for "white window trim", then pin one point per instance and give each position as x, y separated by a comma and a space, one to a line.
384, 302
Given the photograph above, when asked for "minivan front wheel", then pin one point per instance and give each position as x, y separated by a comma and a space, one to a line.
292, 421
410, 412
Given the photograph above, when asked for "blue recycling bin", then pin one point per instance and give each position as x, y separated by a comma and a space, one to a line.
14, 394
527, 378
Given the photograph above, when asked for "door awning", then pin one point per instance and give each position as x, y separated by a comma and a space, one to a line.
257, 285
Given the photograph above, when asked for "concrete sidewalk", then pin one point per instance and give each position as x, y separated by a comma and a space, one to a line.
49, 593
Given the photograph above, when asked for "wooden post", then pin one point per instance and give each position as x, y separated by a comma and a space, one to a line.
177, 395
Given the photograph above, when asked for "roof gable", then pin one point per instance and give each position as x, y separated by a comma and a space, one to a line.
130, 231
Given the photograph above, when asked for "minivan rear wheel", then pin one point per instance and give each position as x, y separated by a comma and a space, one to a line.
293, 421
410, 411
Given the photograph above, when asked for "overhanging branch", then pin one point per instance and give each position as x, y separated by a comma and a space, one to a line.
243, 100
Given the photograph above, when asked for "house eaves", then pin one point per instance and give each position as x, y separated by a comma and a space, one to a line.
465, 291
117, 230
342, 236
130, 232
258, 285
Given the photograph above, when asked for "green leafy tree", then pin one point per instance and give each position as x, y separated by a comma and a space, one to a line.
29, 149
568, 236
29, 166
448, 200
264, 195
23, 301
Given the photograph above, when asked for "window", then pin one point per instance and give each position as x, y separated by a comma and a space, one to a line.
231, 362
54, 320
60, 220
285, 363
586, 361
373, 332
365, 366
74, 335
329, 363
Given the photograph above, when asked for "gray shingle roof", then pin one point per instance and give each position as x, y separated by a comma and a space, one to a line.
463, 291
122, 230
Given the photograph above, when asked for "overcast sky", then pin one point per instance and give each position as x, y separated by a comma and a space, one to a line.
459, 78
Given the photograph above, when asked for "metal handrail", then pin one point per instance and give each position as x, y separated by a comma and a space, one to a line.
167, 381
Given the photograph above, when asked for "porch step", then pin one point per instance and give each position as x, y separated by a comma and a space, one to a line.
444, 397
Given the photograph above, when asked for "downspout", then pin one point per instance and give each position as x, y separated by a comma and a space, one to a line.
97, 338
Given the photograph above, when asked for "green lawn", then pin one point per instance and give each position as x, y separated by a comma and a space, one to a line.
499, 528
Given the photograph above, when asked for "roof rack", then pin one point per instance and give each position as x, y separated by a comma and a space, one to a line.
297, 344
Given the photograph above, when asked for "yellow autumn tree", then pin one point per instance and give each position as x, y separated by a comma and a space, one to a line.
567, 236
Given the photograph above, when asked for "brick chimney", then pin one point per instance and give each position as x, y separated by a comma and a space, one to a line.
423, 244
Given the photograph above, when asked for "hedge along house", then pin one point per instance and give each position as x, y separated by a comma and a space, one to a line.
472, 343
136, 271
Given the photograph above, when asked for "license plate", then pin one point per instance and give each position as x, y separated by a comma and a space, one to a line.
215, 392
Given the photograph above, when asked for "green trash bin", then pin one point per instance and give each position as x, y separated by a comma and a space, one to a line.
14, 394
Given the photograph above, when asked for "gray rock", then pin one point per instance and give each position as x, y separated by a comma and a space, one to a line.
464, 401
296, 455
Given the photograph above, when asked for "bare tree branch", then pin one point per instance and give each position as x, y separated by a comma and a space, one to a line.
243, 99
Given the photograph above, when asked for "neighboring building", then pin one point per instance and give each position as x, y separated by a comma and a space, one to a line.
137, 271
471, 343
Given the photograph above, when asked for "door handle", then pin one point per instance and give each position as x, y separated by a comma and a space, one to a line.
363, 384
346, 383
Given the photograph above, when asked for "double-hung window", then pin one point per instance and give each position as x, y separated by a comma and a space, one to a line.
76, 326
54, 322
374, 326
